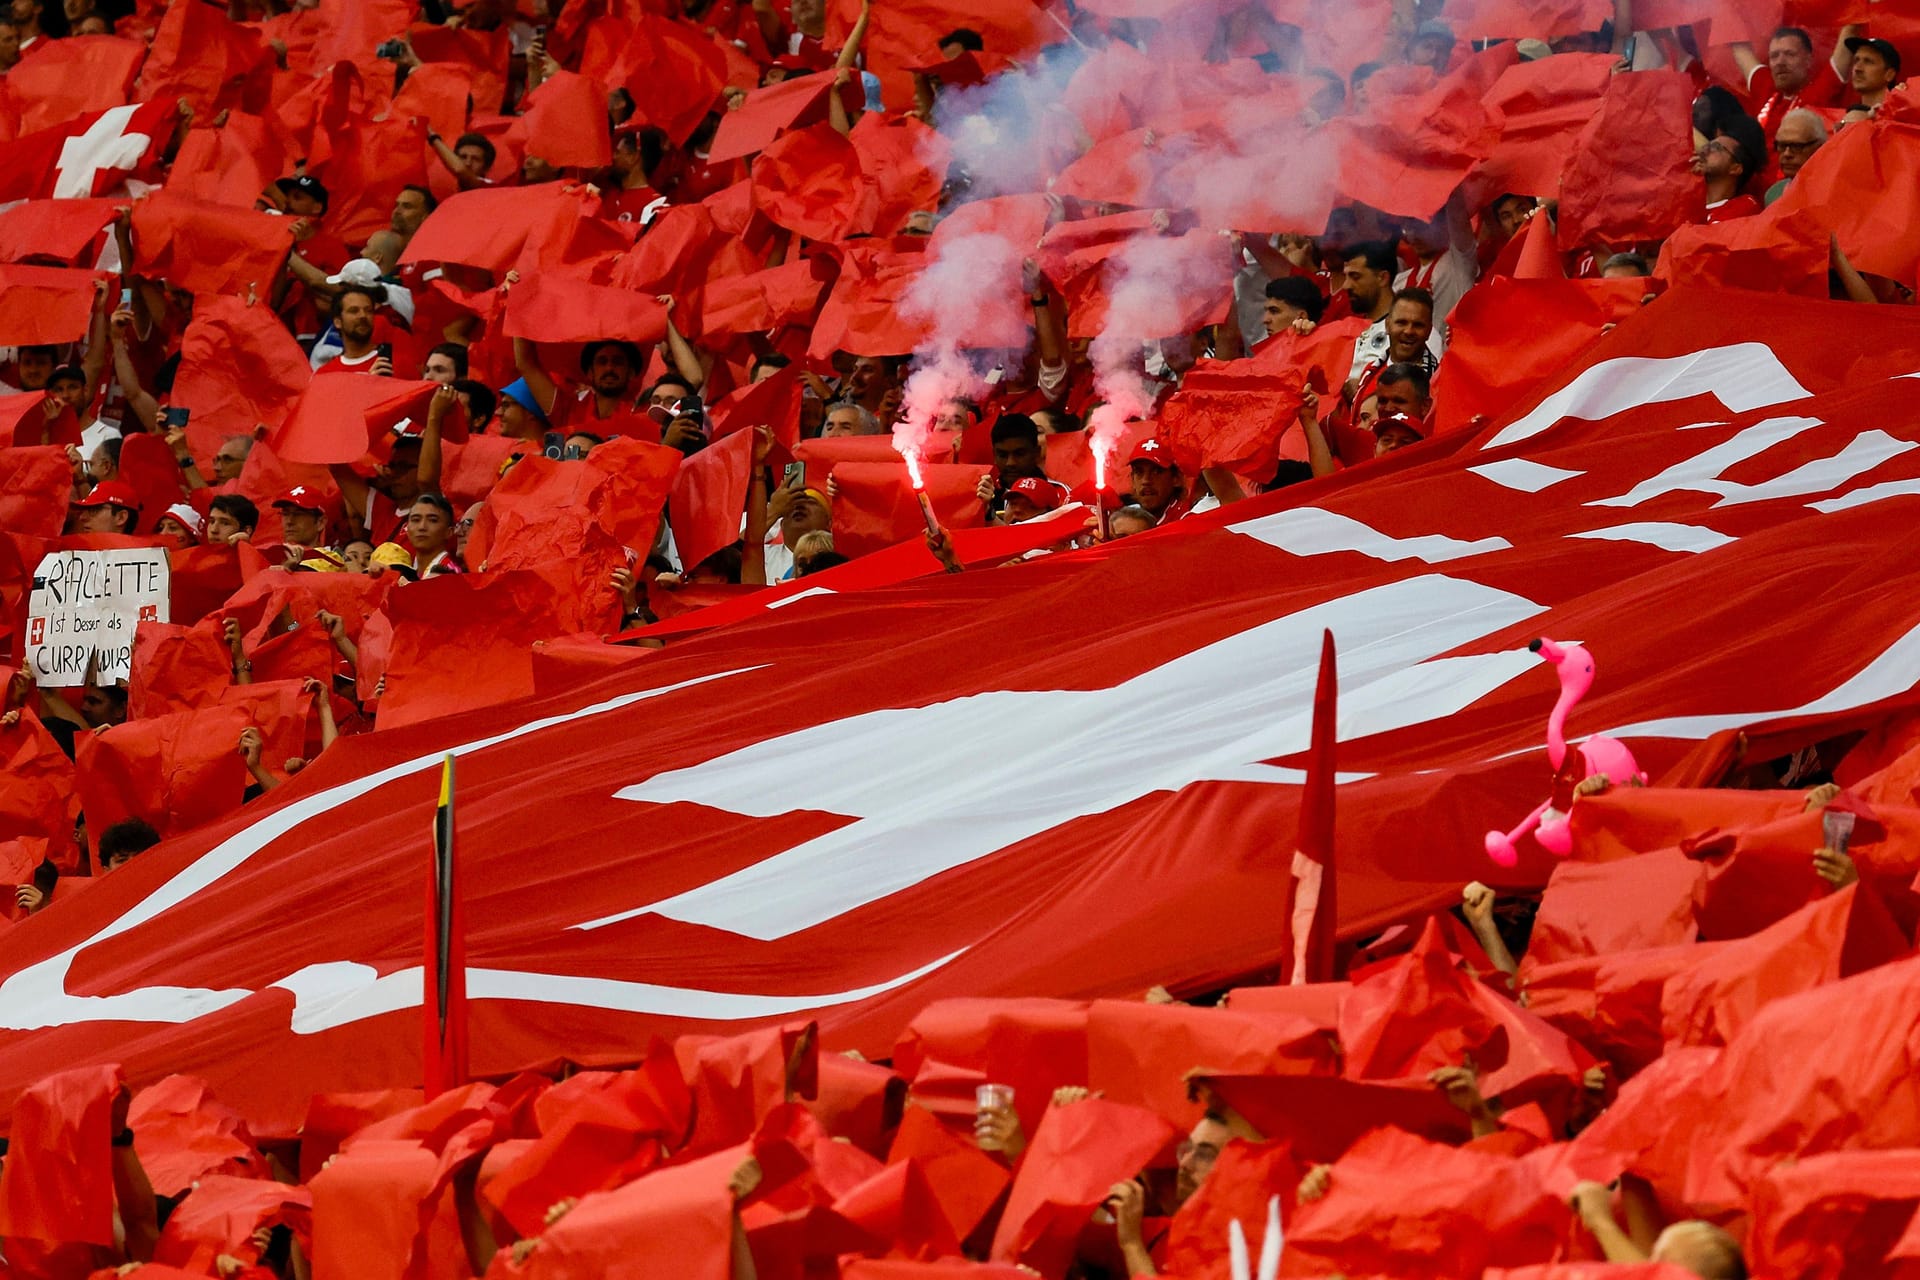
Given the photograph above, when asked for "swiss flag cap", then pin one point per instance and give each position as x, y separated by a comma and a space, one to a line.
301, 498
1150, 450
111, 493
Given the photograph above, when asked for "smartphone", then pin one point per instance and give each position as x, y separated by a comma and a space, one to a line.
176, 415
126, 298
384, 352
389, 49
1626, 53
554, 445
795, 475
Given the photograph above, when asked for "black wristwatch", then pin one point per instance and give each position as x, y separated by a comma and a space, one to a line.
124, 1138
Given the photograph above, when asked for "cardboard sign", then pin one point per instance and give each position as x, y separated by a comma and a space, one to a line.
84, 609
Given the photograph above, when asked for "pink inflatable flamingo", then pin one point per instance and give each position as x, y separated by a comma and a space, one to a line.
1598, 754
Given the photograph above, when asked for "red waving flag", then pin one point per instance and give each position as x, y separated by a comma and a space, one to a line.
1630, 177
564, 122
209, 248
768, 890
876, 506
1316, 870
45, 304
58, 80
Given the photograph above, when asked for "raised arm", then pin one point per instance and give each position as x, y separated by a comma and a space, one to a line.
1319, 454
1842, 56
527, 360
687, 361
430, 453
753, 558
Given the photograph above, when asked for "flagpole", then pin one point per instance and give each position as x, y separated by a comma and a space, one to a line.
1315, 916
443, 988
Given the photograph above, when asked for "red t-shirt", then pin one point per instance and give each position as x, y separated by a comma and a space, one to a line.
580, 412
350, 364
624, 205
1733, 207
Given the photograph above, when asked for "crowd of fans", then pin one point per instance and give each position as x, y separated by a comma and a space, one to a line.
316, 548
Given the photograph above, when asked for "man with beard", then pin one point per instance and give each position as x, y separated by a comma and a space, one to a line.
606, 404
1367, 280
353, 312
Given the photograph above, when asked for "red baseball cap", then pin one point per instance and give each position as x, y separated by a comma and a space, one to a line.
1399, 420
1042, 493
111, 493
302, 498
1151, 450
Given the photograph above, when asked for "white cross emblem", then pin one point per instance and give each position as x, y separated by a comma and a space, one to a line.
105, 146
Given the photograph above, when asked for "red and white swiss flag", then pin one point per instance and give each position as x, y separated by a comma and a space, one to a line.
1076, 777
89, 155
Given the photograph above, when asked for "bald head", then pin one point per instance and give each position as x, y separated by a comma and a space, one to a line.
384, 248
1701, 1248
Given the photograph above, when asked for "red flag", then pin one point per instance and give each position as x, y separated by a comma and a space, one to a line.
774, 402
1509, 335
861, 893
437, 96
86, 156
34, 483
863, 314
57, 1182
678, 75
1543, 107
564, 122
182, 1133
181, 770
557, 308
483, 55
37, 790
709, 493
1539, 257
1316, 871
371, 162
45, 304
488, 227
209, 248
764, 301
1068, 1170
57, 80
793, 103
677, 1221
462, 641
239, 369
58, 229
1410, 152
906, 161
1630, 176
1844, 1211
1854, 188
876, 506
1244, 414
545, 512
811, 181
205, 58
223, 1215
1772, 254
339, 419
1400, 1205
230, 165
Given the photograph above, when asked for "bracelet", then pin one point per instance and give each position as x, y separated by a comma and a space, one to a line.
1040, 301
241, 667
124, 1138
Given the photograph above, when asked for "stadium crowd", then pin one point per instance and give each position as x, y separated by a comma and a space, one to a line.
649, 305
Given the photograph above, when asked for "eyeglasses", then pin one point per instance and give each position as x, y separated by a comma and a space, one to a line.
1794, 147
1201, 1153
